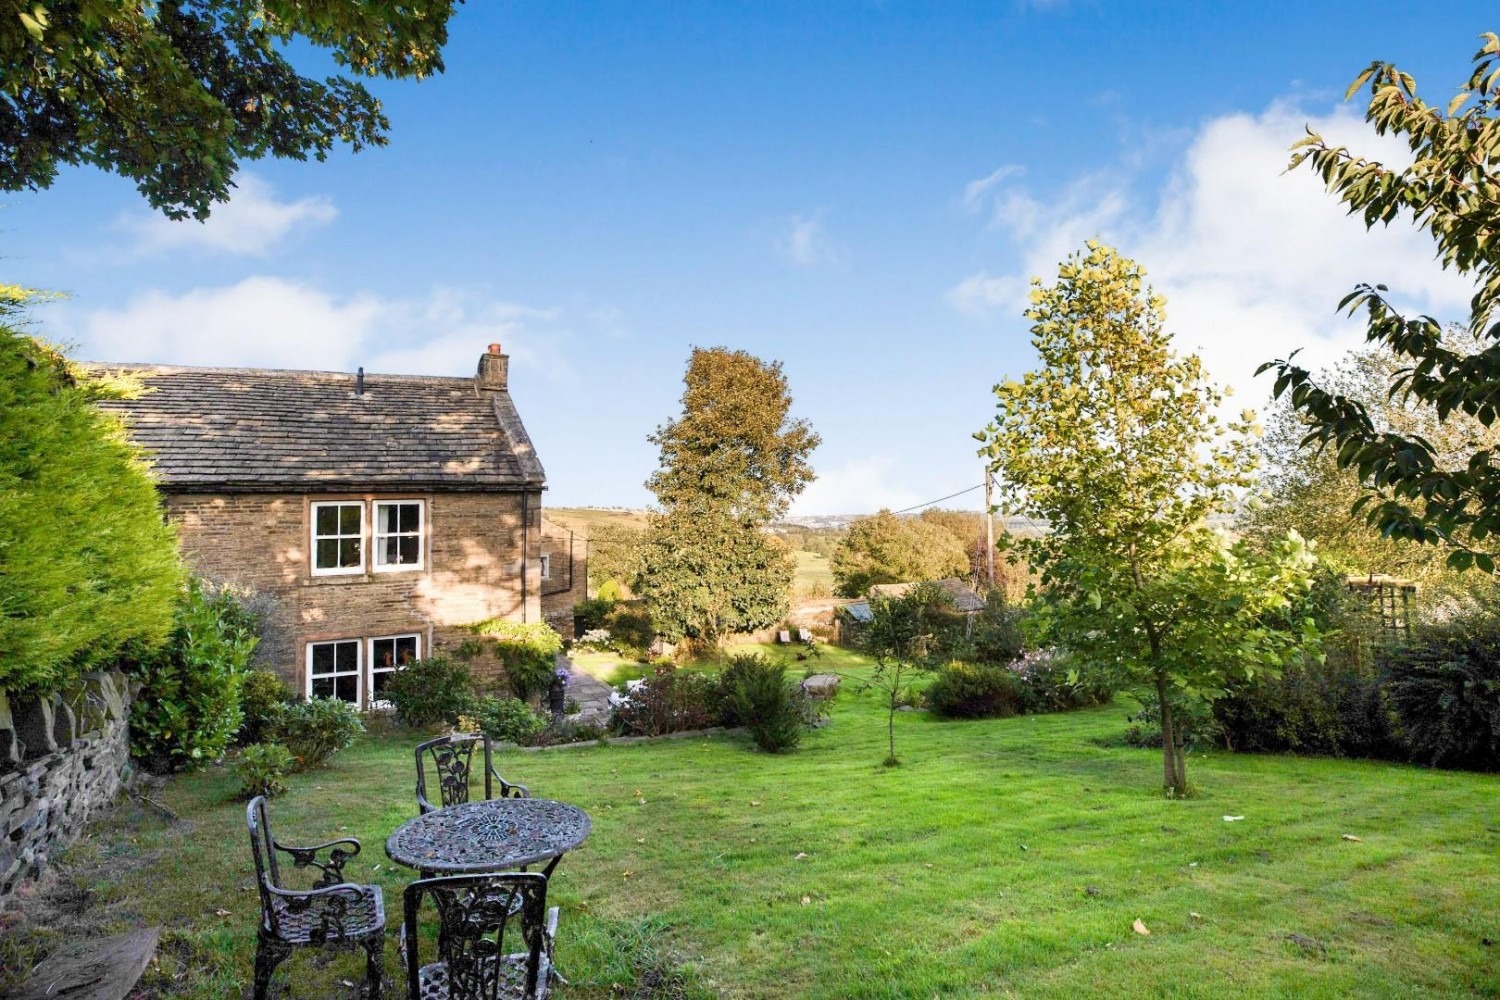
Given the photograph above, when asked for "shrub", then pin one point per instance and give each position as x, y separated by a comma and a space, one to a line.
1337, 707
632, 630
757, 695
260, 695
88, 566
262, 770
431, 691
527, 652
188, 708
974, 691
611, 591
317, 729
671, 701
594, 612
1051, 682
994, 634
1445, 690
510, 720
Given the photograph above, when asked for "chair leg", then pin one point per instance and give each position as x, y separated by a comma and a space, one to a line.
269, 954
374, 946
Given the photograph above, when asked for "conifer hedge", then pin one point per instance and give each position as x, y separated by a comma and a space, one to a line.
87, 562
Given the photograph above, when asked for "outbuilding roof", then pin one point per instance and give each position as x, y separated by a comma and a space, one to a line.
259, 430
961, 594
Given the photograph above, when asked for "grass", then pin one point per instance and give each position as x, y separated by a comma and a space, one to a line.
584, 519
1003, 857
814, 575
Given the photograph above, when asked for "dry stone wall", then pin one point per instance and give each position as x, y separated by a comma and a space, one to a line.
62, 758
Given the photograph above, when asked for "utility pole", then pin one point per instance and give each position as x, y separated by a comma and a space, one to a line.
989, 526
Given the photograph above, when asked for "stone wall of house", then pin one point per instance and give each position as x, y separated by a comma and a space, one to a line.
471, 569
567, 580
61, 759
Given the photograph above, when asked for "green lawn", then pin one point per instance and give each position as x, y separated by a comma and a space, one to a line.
1004, 857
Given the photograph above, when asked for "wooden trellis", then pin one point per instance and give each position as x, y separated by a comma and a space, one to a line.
1390, 598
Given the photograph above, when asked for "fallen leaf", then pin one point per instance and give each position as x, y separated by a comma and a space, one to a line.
640, 840
753, 802
1025, 848
1140, 928
928, 865
798, 856
641, 801
626, 874
806, 900
1195, 914
221, 913
1357, 840
752, 840
1233, 819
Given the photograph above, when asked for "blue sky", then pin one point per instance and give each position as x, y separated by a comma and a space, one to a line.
859, 190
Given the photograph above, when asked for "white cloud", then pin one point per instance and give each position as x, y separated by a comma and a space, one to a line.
805, 241
249, 224
268, 322
1252, 259
976, 192
858, 486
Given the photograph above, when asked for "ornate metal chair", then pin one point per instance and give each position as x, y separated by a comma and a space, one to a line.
474, 914
453, 763
332, 912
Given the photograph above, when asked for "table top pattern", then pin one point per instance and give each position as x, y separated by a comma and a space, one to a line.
488, 835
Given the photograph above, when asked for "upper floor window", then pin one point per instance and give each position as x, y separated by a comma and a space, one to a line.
398, 535
338, 538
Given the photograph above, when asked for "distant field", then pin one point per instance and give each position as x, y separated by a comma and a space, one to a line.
814, 574
582, 519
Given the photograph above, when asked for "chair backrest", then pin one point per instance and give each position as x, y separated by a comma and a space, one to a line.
452, 760
267, 872
474, 914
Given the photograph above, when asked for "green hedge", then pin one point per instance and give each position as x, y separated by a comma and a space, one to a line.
87, 563
526, 650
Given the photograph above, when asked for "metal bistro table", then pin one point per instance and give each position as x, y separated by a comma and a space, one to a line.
489, 836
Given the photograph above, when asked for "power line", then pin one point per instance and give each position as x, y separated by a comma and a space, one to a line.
950, 496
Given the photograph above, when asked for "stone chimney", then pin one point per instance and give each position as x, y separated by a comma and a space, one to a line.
494, 370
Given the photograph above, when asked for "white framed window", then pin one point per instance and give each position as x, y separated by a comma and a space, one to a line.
333, 670
338, 538
388, 654
546, 566
398, 535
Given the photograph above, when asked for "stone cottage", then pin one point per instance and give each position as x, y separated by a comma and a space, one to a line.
373, 515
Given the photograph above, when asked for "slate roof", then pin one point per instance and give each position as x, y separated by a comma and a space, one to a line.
260, 430
963, 597
858, 612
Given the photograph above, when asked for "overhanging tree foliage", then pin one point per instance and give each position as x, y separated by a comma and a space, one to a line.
730, 464
174, 95
1414, 492
1305, 488
1115, 440
87, 563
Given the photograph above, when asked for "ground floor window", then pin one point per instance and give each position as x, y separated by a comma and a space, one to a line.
357, 670
387, 655
333, 670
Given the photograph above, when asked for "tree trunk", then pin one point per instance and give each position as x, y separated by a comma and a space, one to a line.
1173, 774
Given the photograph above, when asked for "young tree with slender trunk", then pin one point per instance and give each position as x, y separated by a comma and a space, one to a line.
1116, 442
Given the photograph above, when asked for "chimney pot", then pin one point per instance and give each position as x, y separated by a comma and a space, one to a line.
359, 382
494, 370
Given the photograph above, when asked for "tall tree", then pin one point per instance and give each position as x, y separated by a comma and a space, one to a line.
887, 548
730, 464
1414, 492
173, 95
1115, 440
